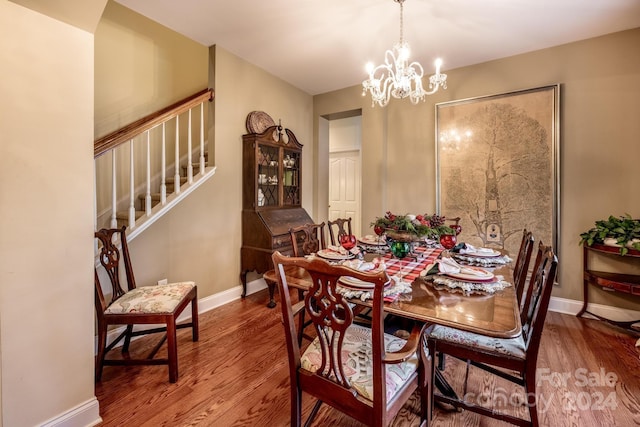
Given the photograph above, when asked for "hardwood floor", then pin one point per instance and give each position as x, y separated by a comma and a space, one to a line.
236, 375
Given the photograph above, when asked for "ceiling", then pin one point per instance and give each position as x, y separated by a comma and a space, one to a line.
323, 45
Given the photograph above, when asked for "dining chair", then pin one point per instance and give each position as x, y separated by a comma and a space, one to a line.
513, 359
360, 371
520, 270
307, 239
145, 305
342, 227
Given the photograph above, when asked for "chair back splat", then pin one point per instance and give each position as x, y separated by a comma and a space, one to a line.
307, 239
360, 371
536, 300
131, 305
342, 226
521, 267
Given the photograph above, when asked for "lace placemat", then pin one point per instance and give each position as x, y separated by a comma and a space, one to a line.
471, 287
483, 262
396, 288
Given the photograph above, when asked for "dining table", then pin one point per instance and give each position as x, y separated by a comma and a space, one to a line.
493, 314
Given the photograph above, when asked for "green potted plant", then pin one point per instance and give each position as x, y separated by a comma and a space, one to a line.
620, 231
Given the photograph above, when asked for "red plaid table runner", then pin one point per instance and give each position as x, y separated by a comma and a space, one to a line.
411, 267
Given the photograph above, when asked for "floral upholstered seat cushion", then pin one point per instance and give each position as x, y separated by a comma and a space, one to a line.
151, 299
513, 347
358, 360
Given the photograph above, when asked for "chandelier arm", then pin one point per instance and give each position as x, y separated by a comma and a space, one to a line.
398, 77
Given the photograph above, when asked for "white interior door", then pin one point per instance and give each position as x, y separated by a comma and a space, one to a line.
344, 187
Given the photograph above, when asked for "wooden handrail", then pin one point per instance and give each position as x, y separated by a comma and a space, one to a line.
112, 140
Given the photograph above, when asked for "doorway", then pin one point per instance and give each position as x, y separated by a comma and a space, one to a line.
345, 178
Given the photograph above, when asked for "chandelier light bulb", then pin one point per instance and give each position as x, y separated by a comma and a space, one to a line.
397, 77
438, 65
369, 67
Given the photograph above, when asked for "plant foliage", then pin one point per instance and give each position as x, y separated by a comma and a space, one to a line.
623, 229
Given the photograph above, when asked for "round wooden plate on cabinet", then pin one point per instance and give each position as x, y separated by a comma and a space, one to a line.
258, 122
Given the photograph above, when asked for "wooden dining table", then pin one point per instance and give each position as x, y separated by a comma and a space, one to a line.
493, 315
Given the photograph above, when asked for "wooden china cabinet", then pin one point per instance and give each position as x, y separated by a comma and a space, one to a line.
271, 198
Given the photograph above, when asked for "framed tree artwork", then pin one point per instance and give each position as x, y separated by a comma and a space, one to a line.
497, 162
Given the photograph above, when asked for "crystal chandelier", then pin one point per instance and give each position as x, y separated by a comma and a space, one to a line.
399, 78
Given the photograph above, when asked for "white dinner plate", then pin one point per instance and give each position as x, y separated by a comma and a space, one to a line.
374, 241
357, 284
482, 276
483, 254
353, 283
333, 255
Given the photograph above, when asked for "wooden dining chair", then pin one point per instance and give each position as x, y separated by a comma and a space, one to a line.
307, 239
145, 305
342, 226
513, 359
520, 270
360, 371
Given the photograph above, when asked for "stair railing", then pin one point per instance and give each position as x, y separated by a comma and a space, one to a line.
140, 132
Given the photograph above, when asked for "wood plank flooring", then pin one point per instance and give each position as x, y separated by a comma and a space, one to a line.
236, 375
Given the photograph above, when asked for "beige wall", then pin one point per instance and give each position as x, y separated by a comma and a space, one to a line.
199, 239
600, 104
46, 297
140, 67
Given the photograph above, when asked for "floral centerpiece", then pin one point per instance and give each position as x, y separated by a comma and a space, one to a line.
411, 227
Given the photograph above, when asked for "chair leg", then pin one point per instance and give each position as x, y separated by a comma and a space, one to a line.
530, 393
195, 324
127, 339
431, 344
102, 343
296, 405
172, 349
425, 378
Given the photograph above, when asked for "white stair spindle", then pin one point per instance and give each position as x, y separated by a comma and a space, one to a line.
114, 206
189, 161
177, 172
163, 183
147, 199
202, 138
132, 199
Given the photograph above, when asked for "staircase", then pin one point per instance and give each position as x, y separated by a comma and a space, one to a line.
137, 182
122, 217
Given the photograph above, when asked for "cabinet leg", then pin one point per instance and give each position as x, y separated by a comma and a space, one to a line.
272, 290
243, 279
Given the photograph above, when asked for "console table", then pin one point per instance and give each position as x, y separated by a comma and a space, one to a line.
610, 281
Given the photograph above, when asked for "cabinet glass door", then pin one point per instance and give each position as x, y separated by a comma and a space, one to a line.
268, 168
291, 177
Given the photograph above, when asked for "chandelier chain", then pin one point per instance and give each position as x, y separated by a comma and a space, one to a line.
401, 20
398, 77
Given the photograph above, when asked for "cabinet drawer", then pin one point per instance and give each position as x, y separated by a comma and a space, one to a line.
281, 242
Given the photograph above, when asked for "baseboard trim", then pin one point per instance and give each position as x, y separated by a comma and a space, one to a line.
569, 306
86, 414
